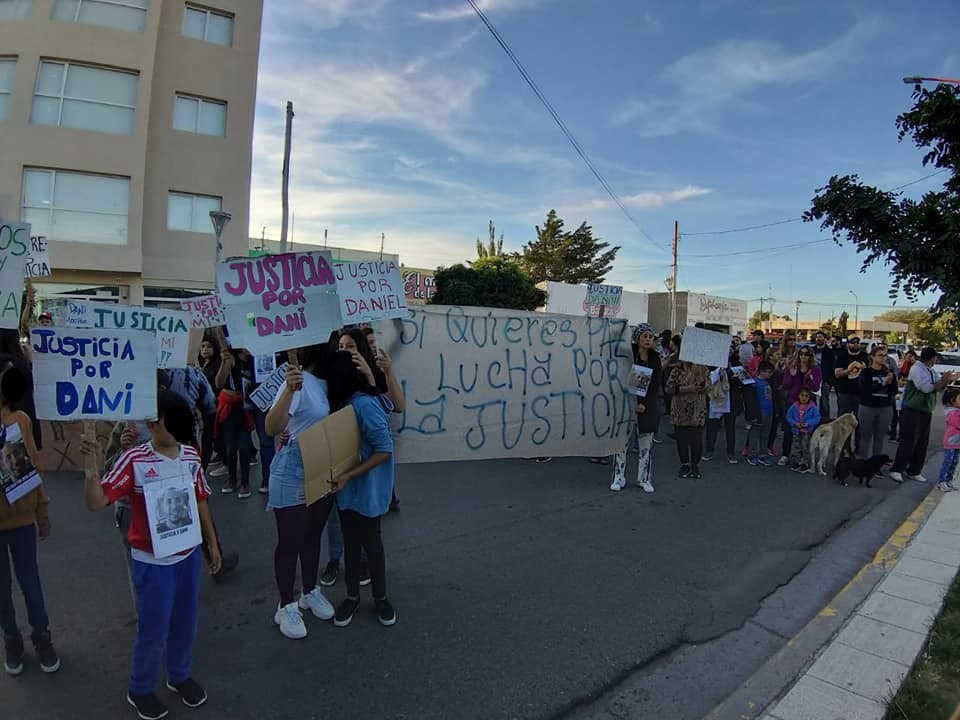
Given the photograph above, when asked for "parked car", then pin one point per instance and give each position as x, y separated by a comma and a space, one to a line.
948, 361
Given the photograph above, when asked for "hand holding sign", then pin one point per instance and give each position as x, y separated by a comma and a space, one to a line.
294, 377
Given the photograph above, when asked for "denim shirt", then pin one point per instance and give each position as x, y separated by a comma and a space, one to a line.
370, 494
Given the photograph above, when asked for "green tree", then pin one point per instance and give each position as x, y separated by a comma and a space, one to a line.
493, 247
492, 282
928, 328
842, 323
758, 319
570, 257
918, 240
892, 338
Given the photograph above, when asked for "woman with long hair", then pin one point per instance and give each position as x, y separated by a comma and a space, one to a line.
234, 422
645, 354
687, 385
801, 373
364, 492
208, 360
300, 402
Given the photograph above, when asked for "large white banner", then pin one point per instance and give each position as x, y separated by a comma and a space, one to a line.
81, 374
279, 302
14, 256
485, 383
172, 327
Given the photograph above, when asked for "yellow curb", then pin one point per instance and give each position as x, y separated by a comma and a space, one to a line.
885, 559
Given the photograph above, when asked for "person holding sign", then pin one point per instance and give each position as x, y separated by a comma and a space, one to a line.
646, 359
687, 385
300, 402
23, 516
169, 520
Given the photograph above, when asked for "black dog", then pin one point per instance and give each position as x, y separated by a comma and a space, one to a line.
864, 470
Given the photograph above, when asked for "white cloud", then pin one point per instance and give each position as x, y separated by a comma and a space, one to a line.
461, 10
327, 14
655, 199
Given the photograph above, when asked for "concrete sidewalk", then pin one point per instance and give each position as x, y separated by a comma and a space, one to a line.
856, 674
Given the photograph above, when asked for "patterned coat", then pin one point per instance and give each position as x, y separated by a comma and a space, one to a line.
688, 386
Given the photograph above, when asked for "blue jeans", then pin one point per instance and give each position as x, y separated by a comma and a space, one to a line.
168, 601
949, 467
267, 448
21, 544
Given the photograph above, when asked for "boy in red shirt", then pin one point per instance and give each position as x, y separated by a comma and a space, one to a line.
169, 516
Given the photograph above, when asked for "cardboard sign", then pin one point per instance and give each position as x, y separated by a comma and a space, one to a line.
171, 327
14, 256
38, 263
602, 300
279, 302
18, 476
329, 448
370, 291
263, 396
81, 374
486, 383
705, 347
205, 312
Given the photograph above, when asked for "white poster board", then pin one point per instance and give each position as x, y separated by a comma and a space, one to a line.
485, 383
38, 263
370, 291
83, 374
705, 347
171, 327
263, 396
205, 311
14, 256
602, 300
279, 302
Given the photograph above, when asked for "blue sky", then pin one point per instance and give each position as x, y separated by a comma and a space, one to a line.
411, 121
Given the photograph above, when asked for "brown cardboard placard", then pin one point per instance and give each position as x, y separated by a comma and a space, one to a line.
329, 448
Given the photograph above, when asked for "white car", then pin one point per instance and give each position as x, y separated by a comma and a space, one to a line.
948, 361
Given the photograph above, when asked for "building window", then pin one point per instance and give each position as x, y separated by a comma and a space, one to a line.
15, 9
87, 98
76, 207
7, 68
209, 25
198, 115
191, 213
120, 14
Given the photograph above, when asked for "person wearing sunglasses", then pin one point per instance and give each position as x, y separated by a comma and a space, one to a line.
804, 373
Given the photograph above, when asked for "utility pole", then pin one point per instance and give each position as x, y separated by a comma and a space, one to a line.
285, 187
673, 277
382, 238
770, 316
796, 319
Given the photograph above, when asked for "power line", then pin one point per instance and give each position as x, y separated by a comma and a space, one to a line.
563, 127
799, 219
773, 248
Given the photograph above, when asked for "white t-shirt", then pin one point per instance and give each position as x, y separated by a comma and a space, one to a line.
308, 407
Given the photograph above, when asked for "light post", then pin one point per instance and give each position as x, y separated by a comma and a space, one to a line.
219, 218
856, 313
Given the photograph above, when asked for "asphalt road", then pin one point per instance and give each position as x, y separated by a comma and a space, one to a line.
523, 590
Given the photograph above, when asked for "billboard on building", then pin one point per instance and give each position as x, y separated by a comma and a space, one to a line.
418, 285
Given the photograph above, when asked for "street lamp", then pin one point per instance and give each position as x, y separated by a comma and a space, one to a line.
219, 218
856, 313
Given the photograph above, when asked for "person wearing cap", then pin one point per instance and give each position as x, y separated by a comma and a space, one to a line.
645, 354
849, 363
45, 319
919, 400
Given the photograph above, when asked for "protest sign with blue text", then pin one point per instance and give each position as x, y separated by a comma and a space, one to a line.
484, 383
279, 302
172, 327
371, 290
81, 374
14, 255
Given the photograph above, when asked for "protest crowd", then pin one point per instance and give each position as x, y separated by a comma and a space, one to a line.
233, 407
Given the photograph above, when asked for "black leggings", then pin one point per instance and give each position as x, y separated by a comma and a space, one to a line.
299, 529
239, 448
729, 422
363, 533
689, 444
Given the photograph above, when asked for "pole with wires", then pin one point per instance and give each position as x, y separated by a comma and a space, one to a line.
673, 277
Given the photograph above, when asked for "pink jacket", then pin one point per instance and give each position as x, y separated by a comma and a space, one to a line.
951, 438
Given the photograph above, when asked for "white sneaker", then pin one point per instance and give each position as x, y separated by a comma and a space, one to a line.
315, 602
290, 620
897, 477
918, 478
783, 461
647, 486
217, 470
617, 486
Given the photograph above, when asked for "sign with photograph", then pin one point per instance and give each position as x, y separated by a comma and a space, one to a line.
85, 374
172, 512
640, 377
18, 476
279, 302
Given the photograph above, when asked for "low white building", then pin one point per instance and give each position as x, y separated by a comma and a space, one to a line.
723, 314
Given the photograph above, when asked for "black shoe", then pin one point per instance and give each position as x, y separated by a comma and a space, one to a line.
190, 692
364, 574
394, 503
148, 706
385, 612
43, 644
13, 662
685, 471
695, 473
345, 612
330, 574
228, 563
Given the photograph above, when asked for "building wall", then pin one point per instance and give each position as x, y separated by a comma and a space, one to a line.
155, 157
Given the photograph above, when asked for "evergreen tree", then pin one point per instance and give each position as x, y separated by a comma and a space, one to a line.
570, 257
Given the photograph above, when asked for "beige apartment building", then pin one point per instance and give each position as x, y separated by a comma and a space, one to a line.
123, 123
